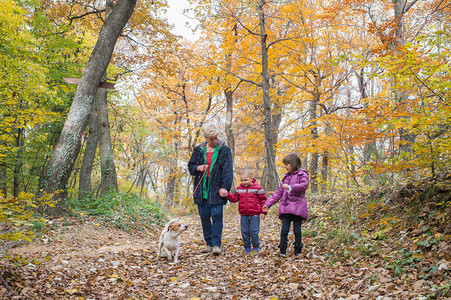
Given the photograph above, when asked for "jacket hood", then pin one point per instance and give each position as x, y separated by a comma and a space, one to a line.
297, 172
253, 184
204, 143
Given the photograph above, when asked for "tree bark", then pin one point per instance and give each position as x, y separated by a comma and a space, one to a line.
228, 93
313, 168
170, 187
84, 185
324, 171
270, 178
229, 120
108, 181
3, 182
61, 163
20, 139
171, 181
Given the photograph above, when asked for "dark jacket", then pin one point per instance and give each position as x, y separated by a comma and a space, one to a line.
221, 176
293, 201
251, 199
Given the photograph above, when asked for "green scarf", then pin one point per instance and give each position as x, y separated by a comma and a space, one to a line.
213, 160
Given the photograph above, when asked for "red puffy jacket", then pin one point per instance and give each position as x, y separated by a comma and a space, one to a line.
251, 199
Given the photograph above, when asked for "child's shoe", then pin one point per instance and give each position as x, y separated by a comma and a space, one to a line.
298, 249
248, 250
257, 250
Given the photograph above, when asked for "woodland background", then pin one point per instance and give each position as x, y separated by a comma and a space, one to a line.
359, 89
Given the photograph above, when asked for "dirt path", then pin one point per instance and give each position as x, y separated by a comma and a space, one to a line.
85, 261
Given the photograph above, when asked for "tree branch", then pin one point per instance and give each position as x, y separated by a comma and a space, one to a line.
95, 12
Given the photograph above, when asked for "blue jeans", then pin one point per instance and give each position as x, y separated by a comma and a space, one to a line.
250, 228
211, 220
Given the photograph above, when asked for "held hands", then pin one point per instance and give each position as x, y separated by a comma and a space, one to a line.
223, 192
265, 209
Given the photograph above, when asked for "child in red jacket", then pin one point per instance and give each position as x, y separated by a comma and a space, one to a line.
251, 198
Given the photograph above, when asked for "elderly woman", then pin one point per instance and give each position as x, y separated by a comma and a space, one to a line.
212, 157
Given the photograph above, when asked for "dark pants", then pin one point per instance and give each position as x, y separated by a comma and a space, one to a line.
250, 228
211, 220
287, 219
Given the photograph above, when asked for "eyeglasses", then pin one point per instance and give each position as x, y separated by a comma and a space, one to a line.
213, 138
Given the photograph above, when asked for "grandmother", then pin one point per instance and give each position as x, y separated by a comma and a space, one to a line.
214, 158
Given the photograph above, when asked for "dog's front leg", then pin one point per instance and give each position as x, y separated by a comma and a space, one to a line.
176, 255
168, 253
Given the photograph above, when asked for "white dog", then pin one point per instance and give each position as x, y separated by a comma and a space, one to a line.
170, 240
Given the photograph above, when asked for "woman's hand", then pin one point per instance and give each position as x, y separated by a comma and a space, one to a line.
202, 168
223, 192
265, 209
285, 186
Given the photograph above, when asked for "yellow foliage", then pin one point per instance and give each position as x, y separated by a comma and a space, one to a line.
17, 215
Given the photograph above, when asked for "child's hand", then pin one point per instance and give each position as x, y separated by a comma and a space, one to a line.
262, 216
285, 186
265, 209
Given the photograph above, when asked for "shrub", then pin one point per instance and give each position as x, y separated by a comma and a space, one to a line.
17, 217
125, 211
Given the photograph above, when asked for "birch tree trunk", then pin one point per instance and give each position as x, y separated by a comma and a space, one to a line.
60, 165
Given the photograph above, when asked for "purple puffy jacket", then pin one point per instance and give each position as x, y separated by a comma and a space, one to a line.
292, 202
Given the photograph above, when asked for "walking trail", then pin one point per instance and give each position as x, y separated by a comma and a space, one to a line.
85, 260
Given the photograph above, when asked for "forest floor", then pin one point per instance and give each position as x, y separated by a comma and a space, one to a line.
78, 258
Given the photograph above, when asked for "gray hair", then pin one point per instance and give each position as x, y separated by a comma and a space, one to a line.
210, 129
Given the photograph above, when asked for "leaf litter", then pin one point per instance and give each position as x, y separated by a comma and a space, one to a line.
87, 261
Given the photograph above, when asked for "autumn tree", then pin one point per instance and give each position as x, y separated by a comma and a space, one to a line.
60, 165
29, 95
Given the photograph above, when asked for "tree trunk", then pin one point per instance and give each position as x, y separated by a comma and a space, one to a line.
270, 178
313, 168
108, 181
60, 165
228, 93
324, 171
229, 119
18, 163
84, 186
3, 182
171, 181
170, 188
400, 8
370, 146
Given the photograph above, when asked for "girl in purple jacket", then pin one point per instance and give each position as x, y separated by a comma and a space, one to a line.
293, 206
